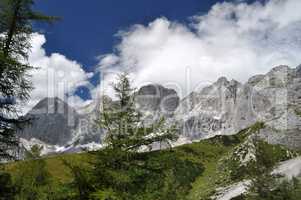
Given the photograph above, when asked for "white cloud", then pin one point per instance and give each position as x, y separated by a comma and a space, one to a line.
236, 40
55, 75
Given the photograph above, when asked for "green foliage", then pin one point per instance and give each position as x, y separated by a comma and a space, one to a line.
81, 181
7, 188
108, 194
210, 153
191, 172
251, 152
125, 128
16, 18
120, 166
263, 182
266, 157
281, 190
230, 140
32, 177
255, 128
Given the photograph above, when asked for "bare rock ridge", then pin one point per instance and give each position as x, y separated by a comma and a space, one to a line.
52, 121
154, 100
225, 107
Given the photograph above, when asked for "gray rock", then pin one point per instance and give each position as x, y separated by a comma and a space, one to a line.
51, 121
156, 98
227, 107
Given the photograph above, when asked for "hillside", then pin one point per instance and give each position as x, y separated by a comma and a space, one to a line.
192, 171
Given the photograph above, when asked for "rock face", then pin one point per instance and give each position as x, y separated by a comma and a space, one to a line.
60, 128
225, 107
87, 130
156, 98
229, 106
52, 121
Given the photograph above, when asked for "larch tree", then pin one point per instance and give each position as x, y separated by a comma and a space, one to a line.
16, 27
121, 163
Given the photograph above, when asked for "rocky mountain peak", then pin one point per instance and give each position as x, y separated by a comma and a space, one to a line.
51, 105
52, 121
279, 69
155, 97
255, 79
222, 81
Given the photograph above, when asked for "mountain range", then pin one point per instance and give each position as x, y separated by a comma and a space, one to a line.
222, 108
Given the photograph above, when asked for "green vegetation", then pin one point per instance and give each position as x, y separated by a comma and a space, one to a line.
120, 170
178, 169
286, 190
17, 17
191, 171
32, 180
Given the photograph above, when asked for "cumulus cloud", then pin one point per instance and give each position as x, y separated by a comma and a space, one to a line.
54, 75
236, 40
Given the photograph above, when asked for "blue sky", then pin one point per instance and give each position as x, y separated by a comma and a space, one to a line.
88, 28
236, 39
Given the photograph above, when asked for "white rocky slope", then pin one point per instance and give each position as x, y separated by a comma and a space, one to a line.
226, 107
289, 169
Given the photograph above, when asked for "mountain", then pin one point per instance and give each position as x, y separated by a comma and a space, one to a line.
222, 108
156, 98
225, 107
51, 121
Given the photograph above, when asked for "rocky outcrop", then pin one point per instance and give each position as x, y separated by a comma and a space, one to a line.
87, 130
156, 98
226, 107
51, 121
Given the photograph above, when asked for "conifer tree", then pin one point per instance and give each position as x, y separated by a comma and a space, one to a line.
121, 164
125, 128
16, 18
264, 181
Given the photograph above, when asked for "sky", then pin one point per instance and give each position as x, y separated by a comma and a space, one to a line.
179, 44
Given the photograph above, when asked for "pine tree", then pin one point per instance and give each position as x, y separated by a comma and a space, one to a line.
264, 182
120, 164
16, 18
125, 128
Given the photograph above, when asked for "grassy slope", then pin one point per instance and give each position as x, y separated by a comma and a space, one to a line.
206, 153
220, 146
56, 167
195, 185
205, 183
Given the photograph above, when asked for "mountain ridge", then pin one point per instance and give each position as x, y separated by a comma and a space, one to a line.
223, 108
